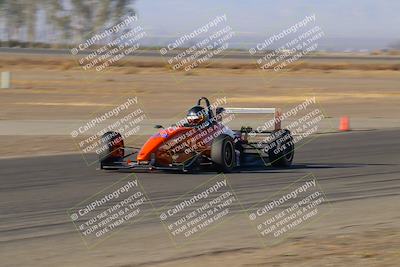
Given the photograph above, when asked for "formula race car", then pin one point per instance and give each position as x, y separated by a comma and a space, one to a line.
202, 140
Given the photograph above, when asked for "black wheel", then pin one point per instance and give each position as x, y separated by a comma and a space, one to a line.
281, 153
111, 149
223, 153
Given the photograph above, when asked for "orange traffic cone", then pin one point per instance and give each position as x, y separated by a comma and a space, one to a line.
344, 124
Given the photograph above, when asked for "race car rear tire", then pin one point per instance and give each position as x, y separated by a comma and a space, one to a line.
111, 148
223, 153
282, 152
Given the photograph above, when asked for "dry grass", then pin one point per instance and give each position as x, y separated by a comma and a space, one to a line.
67, 65
132, 65
132, 70
343, 66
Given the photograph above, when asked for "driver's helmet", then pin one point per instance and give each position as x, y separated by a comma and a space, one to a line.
196, 116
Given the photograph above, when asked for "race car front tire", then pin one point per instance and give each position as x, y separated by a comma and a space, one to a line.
223, 153
111, 149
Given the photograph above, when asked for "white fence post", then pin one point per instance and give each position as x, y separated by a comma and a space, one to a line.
5, 80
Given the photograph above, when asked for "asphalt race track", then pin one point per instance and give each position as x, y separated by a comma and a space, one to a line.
37, 191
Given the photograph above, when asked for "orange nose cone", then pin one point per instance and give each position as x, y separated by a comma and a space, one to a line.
149, 147
344, 124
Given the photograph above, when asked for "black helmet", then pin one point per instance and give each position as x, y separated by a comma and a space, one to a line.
196, 116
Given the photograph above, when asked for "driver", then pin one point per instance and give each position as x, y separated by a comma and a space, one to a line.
196, 116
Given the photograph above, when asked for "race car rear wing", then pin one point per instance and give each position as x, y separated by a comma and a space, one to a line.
276, 111
250, 110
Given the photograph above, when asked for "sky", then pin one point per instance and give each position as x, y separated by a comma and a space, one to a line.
352, 24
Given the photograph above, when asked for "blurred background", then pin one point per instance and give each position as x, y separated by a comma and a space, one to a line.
354, 66
356, 26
